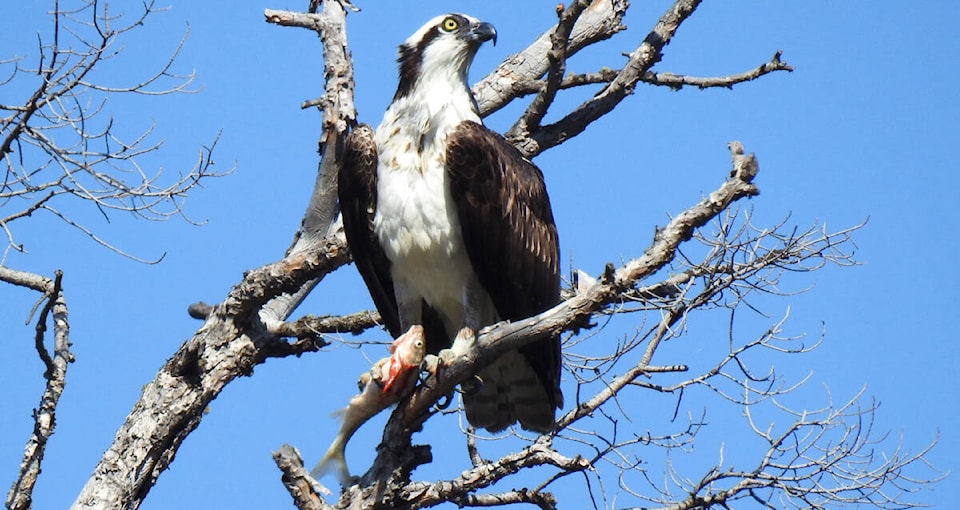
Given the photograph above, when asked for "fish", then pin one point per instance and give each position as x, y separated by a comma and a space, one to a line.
389, 380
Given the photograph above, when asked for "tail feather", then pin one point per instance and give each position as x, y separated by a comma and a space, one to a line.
510, 391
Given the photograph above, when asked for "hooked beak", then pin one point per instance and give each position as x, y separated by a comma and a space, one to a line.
483, 32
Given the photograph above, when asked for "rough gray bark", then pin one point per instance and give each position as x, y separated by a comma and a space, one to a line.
20, 496
230, 343
339, 115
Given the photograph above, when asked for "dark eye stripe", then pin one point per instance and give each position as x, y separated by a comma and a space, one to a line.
409, 57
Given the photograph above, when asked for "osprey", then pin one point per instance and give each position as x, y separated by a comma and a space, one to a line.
450, 226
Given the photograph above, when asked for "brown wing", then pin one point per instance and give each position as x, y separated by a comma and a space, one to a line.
357, 188
509, 234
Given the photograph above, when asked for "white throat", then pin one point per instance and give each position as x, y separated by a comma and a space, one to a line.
425, 116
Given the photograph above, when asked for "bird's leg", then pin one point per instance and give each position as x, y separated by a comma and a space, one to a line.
476, 307
409, 306
464, 342
478, 312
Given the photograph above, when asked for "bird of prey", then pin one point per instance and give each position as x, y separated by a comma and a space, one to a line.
450, 225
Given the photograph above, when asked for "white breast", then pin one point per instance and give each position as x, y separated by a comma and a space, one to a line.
417, 224
416, 220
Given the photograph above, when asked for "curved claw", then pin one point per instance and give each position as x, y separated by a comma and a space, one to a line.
445, 403
472, 386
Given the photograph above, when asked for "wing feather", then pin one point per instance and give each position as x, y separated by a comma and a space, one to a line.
357, 190
509, 234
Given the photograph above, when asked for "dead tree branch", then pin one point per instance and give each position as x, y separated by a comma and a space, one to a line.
638, 63
20, 496
600, 21
677, 81
338, 116
61, 141
823, 458
557, 59
671, 80
230, 343
302, 487
238, 333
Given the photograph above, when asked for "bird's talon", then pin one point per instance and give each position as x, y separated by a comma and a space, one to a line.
430, 364
446, 356
464, 342
445, 402
472, 386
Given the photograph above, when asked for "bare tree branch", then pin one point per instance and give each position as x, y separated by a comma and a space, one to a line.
303, 489
61, 141
557, 59
238, 333
310, 326
20, 496
230, 343
709, 257
638, 63
460, 491
674, 81
339, 115
824, 459
598, 22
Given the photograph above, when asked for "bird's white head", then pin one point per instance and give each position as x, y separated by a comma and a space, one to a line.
441, 51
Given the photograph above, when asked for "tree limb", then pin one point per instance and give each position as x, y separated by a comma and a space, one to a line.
304, 490
674, 81
20, 496
461, 490
601, 20
230, 343
557, 59
338, 116
677, 81
235, 335
311, 327
638, 63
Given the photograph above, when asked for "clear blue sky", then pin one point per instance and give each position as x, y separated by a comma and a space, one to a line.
863, 128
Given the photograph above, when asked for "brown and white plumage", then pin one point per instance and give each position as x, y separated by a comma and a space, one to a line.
451, 226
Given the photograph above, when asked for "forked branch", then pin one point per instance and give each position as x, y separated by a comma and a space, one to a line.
20, 496
62, 138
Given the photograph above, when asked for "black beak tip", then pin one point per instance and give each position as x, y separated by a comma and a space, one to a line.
486, 32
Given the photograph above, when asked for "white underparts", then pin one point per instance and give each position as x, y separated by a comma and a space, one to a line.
416, 220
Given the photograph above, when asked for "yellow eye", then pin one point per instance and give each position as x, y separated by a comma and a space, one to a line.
450, 24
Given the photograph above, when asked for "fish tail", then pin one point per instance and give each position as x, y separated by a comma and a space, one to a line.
334, 459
